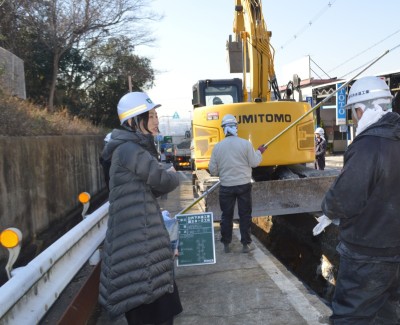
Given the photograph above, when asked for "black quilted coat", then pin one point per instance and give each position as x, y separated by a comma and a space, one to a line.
366, 196
137, 261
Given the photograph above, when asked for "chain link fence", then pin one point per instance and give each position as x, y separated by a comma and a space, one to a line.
12, 75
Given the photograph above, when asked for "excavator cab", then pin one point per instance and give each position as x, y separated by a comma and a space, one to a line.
217, 91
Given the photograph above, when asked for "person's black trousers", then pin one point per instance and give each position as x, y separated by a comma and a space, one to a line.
228, 195
367, 292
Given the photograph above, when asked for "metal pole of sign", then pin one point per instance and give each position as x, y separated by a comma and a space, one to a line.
290, 126
212, 188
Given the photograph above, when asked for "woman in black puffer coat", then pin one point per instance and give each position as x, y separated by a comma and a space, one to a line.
137, 261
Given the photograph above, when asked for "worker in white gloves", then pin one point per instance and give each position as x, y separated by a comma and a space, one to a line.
232, 159
365, 198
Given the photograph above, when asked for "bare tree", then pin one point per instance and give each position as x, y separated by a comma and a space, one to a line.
64, 24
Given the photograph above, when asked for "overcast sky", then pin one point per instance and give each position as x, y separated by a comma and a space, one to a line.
339, 35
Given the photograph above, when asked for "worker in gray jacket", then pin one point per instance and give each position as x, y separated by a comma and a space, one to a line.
232, 160
137, 261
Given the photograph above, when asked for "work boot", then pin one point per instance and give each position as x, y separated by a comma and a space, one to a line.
247, 248
227, 248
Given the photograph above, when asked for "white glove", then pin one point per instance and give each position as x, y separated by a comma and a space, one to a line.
323, 222
166, 215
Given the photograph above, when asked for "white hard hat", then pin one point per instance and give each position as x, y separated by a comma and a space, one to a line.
319, 131
134, 104
368, 88
228, 119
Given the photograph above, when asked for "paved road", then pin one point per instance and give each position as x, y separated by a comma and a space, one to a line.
334, 161
238, 289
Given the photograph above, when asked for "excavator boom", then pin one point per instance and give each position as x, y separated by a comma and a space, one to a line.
251, 31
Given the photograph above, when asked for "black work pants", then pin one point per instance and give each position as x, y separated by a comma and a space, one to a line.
319, 162
367, 292
228, 195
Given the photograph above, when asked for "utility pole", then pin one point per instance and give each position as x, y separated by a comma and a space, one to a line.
130, 83
168, 117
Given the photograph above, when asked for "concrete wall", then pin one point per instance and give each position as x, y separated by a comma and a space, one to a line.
41, 178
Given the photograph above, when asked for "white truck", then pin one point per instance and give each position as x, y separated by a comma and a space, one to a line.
181, 155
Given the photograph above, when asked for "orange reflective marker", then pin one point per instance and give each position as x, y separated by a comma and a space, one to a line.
84, 197
9, 238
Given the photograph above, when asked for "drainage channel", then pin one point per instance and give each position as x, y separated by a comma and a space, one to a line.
313, 260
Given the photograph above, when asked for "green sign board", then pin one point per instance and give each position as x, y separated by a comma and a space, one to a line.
168, 139
196, 239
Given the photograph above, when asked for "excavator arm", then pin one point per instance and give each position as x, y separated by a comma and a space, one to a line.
250, 29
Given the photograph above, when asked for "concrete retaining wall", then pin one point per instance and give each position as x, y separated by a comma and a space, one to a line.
41, 178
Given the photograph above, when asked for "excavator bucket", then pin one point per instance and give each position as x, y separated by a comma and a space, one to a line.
284, 196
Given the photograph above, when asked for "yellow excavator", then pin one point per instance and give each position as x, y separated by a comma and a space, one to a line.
283, 183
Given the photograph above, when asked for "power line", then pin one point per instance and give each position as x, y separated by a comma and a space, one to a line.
365, 64
319, 68
393, 48
316, 73
362, 52
308, 25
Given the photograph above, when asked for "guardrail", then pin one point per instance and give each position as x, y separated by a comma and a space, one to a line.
33, 289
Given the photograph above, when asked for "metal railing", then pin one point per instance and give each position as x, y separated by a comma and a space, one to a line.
33, 289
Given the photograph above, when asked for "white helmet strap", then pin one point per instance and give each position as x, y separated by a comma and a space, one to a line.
384, 103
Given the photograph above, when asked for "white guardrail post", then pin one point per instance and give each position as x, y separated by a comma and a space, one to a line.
30, 293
